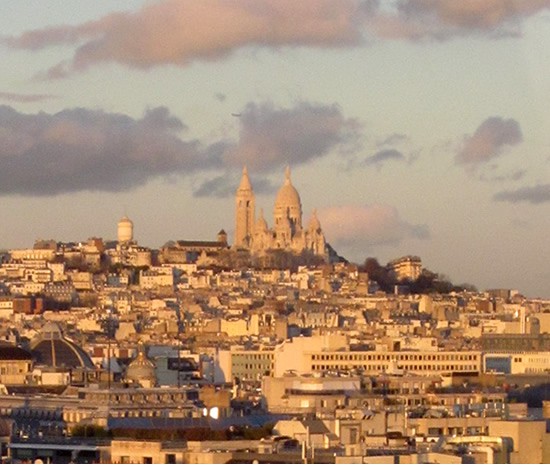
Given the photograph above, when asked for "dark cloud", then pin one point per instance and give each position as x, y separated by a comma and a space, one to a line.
384, 155
271, 137
473, 14
444, 19
80, 149
25, 98
534, 195
392, 139
220, 186
513, 176
489, 140
226, 185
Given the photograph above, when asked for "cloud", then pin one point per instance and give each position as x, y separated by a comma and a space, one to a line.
520, 224
220, 97
25, 98
534, 195
175, 32
445, 19
512, 176
225, 186
489, 140
356, 229
220, 187
393, 139
272, 137
394, 147
81, 149
384, 155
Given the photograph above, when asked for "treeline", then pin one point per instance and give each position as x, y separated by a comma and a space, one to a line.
427, 283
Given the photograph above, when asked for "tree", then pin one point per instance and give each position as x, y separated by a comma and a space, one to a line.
378, 273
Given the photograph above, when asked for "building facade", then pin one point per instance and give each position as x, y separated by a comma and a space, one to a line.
288, 232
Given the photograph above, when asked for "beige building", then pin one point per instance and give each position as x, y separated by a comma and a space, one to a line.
15, 365
32, 254
322, 354
6, 308
408, 267
330, 354
530, 440
134, 451
308, 394
157, 277
421, 362
517, 363
288, 233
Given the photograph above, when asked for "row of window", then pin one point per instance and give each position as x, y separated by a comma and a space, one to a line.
143, 398
398, 357
265, 356
384, 367
251, 366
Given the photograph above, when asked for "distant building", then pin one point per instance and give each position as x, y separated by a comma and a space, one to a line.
287, 233
529, 439
15, 365
189, 251
157, 277
517, 363
125, 230
409, 267
127, 252
515, 342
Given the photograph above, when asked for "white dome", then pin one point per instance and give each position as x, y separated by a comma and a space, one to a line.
125, 221
288, 195
125, 231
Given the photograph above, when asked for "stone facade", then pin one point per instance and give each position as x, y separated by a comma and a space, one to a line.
287, 234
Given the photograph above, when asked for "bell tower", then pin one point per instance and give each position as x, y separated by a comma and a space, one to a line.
245, 212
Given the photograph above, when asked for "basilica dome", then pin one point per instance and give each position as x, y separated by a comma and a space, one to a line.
288, 195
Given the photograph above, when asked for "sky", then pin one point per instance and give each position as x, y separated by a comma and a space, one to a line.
413, 127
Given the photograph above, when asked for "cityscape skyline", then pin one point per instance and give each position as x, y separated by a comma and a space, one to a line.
413, 127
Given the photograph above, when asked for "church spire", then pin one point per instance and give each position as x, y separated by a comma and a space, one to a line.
287, 175
245, 180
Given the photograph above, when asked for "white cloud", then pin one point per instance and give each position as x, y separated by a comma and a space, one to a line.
355, 230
